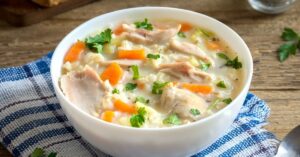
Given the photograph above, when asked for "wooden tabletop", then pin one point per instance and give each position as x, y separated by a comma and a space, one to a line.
277, 83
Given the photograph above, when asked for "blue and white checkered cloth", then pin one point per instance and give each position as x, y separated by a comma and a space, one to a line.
30, 117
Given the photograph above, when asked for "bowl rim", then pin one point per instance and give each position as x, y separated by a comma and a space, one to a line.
244, 89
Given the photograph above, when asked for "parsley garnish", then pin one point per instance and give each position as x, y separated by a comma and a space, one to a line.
130, 86
142, 100
172, 119
227, 101
157, 87
204, 66
138, 119
153, 56
194, 112
221, 84
144, 25
181, 34
39, 152
135, 70
214, 104
223, 56
235, 63
116, 91
290, 47
96, 42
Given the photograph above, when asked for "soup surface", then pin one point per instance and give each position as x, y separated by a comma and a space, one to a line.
151, 73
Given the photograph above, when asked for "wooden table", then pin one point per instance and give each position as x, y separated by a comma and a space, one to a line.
277, 83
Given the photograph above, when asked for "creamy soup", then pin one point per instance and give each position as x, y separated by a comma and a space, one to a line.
151, 73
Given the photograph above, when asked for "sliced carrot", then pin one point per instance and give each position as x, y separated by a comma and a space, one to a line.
113, 73
74, 52
213, 45
123, 107
175, 83
108, 116
185, 27
197, 88
119, 30
140, 85
132, 54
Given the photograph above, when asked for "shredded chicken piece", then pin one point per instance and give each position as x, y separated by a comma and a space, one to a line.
178, 68
181, 101
83, 88
156, 36
189, 48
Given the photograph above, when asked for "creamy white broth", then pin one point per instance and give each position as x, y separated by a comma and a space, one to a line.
91, 63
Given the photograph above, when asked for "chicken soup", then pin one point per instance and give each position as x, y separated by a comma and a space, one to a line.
151, 73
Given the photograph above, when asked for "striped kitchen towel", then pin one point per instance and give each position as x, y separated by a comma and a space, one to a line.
31, 117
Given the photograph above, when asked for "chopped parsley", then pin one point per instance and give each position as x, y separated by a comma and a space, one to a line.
172, 119
144, 25
223, 56
158, 86
227, 101
153, 56
142, 100
181, 34
235, 63
194, 112
138, 120
204, 66
135, 70
39, 152
221, 84
214, 104
290, 47
130, 86
96, 42
116, 91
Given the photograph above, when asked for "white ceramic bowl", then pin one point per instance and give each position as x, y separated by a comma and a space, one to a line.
153, 142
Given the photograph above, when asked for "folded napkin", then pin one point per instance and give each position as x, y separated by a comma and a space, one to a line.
31, 117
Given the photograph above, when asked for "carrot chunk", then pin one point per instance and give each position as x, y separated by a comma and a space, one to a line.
123, 107
213, 45
119, 30
141, 85
132, 54
113, 73
185, 27
108, 116
74, 52
204, 89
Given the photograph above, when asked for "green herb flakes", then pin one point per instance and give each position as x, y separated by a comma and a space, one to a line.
235, 63
221, 84
116, 91
96, 42
158, 86
144, 25
135, 70
181, 35
130, 86
153, 56
138, 119
204, 66
172, 119
227, 101
142, 100
194, 112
